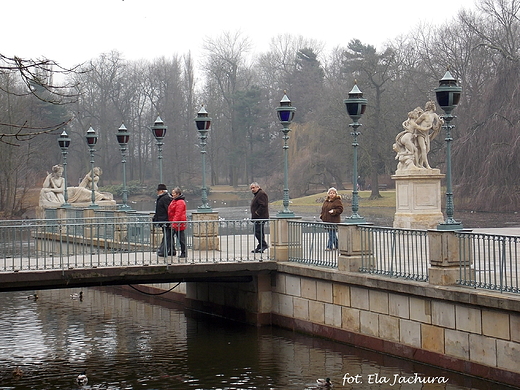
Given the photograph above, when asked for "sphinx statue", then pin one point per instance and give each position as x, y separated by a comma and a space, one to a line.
413, 143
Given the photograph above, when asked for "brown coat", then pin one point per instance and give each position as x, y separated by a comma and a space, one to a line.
260, 205
336, 206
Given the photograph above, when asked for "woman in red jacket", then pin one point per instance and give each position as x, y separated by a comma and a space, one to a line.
177, 215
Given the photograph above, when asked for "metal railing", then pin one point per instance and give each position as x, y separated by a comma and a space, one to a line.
308, 243
116, 241
486, 261
489, 261
399, 253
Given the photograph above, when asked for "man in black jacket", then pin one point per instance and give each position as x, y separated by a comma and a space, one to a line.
259, 210
161, 219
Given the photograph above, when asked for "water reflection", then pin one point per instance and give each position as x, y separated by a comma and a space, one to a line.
127, 341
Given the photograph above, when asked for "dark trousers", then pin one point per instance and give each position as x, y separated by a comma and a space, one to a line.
181, 239
260, 235
333, 239
166, 242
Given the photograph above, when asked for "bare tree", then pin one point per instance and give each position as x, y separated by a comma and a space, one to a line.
227, 70
38, 78
34, 107
375, 71
486, 157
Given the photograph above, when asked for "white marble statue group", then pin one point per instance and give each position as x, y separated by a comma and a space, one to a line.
53, 189
413, 143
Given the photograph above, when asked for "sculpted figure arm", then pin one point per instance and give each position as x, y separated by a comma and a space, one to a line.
427, 127
53, 186
87, 181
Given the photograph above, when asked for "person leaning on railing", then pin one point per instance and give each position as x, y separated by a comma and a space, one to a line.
330, 212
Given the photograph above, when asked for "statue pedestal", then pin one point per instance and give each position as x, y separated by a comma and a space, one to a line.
417, 198
76, 210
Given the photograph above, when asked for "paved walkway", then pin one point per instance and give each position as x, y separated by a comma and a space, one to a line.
508, 231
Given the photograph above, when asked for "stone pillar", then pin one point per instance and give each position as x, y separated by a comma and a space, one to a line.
280, 238
445, 259
350, 248
89, 230
205, 231
155, 232
417, 198
265, 299
121, 227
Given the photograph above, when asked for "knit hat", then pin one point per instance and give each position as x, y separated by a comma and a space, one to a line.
161, 187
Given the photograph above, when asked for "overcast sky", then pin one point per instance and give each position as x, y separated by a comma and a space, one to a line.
71, 31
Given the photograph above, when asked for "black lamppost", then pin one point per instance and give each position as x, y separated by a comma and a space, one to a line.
285, 115
448, 97
123, 136
356, 106
64, 143
91, 142
159, 132
203, 123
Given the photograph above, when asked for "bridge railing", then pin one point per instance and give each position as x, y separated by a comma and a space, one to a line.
116, 241
400, 253
489, 261
478, 260
308, 243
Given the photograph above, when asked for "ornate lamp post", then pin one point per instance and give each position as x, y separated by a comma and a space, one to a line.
203, 123
92, 138
159, 132
123, 136
64, 142
448, 96
285, 115
356, 106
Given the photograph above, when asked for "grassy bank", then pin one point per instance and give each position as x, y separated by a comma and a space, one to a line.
379, 211
387, 199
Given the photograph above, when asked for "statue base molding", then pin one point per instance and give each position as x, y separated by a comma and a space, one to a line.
57, 211
418, 198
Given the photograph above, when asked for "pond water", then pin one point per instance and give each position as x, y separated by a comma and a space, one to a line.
132, 341
379, 216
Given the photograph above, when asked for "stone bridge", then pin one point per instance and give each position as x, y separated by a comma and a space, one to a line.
364, 294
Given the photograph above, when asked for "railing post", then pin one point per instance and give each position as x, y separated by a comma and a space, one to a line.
205, 231
121, 226
445, 257
88, 215
280, 238
350, 248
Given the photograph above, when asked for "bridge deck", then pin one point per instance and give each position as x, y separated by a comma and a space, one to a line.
100, 262
128, 269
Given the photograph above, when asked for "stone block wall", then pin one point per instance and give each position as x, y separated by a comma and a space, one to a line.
453, 329
248, 302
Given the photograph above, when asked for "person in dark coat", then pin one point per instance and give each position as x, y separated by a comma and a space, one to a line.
176, 215
161, 219
259, 211
330, 212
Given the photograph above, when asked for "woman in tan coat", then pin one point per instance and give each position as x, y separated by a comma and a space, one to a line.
330, 212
